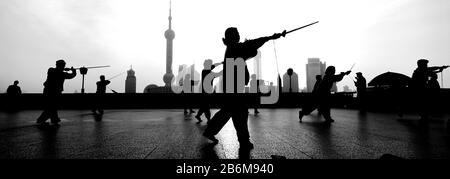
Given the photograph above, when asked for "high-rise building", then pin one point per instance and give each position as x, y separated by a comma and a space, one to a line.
170, 35
313, 68
130, 82
290, 82
257, 65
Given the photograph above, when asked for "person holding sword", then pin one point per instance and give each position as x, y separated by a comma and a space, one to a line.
419, 86
101, 91
324, 93
53, 87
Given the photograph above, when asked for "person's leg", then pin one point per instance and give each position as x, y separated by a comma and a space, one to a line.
306, 110
421, 105
208, 113
216, 124
199, 113
54, 118
43, 117
240, 121
95, 108
326, 113
325, 108
101, 111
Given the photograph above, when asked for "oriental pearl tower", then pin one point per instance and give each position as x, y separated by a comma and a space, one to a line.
170, 35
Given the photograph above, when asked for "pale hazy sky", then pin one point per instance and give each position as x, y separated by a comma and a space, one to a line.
377, 35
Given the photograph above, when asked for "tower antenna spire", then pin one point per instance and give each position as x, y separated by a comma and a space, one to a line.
170, 14
170, 35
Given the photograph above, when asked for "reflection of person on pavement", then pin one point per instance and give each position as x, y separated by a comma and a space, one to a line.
236, 108
14, 89
53, 87
324, 93
101, 90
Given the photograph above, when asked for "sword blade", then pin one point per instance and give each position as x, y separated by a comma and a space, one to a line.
352, 67
97, 67
117, 75
93, 67
302, 27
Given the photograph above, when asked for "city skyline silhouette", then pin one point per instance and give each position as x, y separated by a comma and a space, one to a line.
378, 38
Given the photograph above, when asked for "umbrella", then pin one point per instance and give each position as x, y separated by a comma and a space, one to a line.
390, 79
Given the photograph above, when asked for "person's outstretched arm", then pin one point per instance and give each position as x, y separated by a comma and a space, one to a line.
339, 77
259, 42
71, 75
437, 69
216, 64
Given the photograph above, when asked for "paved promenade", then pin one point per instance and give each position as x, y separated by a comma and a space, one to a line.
168, 134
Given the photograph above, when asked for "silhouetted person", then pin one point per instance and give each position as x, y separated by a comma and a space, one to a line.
313, 103
434, 90
315, 91
324, 93
205, 109
361, 88
316, 85
14, 89
236, 108
101, 90
433, 84
254, 86
419, 86
53, 87
184, 82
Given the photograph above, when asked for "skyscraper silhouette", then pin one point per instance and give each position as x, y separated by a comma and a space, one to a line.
130, 82
313, 68
257, 65
290, 81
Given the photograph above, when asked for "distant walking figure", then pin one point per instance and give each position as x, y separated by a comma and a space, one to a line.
101, 90
361, 88
254, 86
324, 93
14, 89
186, 87
236, 108
314, 103
53, 88
205, 109
420, 86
